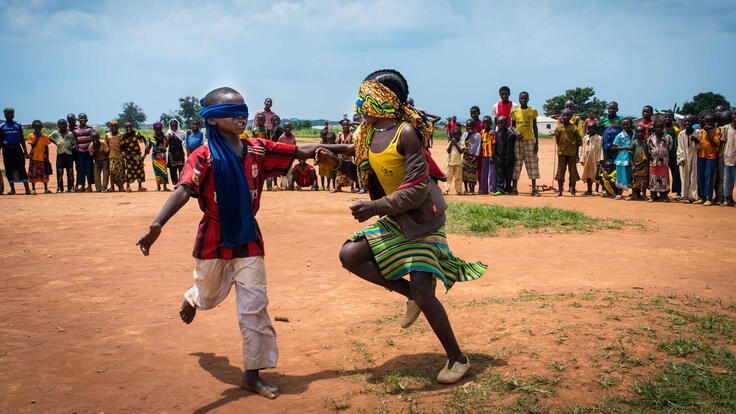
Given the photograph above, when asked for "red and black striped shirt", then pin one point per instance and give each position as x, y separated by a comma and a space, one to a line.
263, 159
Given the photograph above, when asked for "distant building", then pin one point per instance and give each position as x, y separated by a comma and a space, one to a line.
546, 125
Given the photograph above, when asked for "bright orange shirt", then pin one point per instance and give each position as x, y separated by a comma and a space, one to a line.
38, 151
707, 150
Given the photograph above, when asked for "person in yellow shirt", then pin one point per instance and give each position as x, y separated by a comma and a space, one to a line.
455, 150
710, 140
524, 120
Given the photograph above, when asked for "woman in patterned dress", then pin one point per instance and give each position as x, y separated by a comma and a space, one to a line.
174, 139
156, 145
117, 162
131, 150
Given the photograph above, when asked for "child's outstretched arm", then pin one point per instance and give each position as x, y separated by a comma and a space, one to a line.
307, 151
176, 201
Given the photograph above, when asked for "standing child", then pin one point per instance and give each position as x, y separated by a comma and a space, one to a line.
287, 137
131, 150
729, 159
622, 144
591, 119
276, 129
100, 152
324, 172
503, 107
640, 164
659, 161
229, 248
174, 139
487, 167
721, 121
591, 156
710, 141
673, 131
575, 120
331, 140
195, 137
524, 119
568, 140
37, 171
65, 141
85, 164
455, 150
344, 137
688, 144
504, 153
646, 119
14, 151
260, 130
157, 147
609, 127
470, 157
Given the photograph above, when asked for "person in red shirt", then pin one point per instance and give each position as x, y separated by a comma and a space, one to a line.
303, 175
227, 176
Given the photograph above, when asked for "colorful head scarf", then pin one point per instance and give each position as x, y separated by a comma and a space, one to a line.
157, 124
377, 100
9, 109
178, 133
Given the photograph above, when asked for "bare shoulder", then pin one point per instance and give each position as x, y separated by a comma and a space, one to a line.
409, 141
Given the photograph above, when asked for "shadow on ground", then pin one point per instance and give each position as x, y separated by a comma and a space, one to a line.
424, 365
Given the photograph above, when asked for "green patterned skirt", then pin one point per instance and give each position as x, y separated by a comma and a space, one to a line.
397, 256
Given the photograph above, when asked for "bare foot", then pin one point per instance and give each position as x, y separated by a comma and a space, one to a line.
253, 382
187, 312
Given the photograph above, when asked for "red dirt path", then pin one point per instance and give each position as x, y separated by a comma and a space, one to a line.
91, 325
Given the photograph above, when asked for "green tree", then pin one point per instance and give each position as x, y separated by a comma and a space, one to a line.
132, 113
188, 111
704, 101
585, 101
306, 124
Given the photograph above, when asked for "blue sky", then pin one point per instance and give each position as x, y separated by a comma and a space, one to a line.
310, 56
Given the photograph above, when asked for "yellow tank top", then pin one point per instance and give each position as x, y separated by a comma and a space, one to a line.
388, 165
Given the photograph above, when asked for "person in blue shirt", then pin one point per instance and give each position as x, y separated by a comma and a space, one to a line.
14, 150
194, 138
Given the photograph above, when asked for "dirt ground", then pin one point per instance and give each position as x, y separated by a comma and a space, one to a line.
90, 325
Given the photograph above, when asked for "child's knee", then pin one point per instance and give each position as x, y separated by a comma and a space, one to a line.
348, 255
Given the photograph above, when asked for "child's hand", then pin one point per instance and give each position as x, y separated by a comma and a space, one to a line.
363, 210
148, 238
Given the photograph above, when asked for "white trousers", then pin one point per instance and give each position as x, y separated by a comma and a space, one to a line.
689, 176
212, 282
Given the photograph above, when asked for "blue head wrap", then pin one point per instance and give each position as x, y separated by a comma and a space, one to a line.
234, 201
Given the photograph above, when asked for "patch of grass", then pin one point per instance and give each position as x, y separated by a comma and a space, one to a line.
409, 378
706, 384
360, 349
386, 319
487, 220
680, 347
556, 366
336, 405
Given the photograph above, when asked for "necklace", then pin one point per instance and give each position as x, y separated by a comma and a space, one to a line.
386, 129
